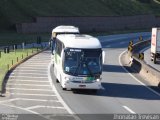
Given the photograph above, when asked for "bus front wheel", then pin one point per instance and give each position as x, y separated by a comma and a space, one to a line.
57, 81
64, 88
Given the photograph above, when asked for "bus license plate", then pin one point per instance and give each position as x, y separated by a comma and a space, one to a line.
82, 86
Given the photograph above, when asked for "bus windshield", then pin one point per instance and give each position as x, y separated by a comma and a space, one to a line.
86, 62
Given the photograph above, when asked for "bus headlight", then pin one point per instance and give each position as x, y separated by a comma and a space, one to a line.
99, 79
67, 79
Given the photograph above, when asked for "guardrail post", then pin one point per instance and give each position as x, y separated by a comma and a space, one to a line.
131, 43
27, 53
12, 62
140, 38
17, 59
130, 48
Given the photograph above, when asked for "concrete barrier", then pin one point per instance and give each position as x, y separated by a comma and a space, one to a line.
150, 74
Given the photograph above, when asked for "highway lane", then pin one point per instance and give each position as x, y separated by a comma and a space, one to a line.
121, 94
30, 94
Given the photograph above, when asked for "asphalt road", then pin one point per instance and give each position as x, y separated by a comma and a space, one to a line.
122, 92
31, 91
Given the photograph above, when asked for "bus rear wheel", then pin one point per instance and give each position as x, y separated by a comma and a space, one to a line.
154, 59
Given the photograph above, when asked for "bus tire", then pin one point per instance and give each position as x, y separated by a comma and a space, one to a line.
61, 83
57, 81
64, 89
154, 59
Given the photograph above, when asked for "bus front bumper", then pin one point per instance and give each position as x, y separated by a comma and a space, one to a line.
72, 85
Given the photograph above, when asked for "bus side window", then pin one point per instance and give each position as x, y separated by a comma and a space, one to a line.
55, 46
59, 47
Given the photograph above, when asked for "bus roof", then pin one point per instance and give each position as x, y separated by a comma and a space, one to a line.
79, 41
65, 29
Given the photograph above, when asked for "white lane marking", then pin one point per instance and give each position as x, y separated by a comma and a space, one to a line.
16, 70
12, 106
10, 100
28, 72
30, 75
29, 89
33, 65
27, 99
134, 76
29, 85
56, 92
128, 109
26, 77
36, 62
20, 73
34, 68
34, 81
40, 106
33, 112
32, 94
40, 100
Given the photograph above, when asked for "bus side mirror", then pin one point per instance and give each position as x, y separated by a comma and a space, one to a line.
103, 56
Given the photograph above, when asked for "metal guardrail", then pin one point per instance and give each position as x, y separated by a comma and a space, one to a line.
152, 74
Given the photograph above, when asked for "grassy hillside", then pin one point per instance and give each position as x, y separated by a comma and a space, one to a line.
15, 11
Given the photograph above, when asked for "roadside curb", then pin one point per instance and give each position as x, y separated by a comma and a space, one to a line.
4, 81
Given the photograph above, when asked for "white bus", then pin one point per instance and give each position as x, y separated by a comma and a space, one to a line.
78, 61
62, 29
